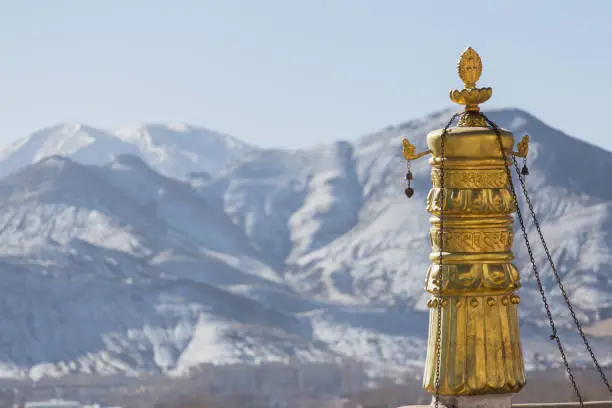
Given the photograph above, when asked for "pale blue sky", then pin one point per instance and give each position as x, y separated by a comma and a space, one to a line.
297, 72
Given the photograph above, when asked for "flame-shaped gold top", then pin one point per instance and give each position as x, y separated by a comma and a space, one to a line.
470, 69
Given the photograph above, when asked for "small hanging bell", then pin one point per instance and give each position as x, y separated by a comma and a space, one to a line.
409, 191
525, 170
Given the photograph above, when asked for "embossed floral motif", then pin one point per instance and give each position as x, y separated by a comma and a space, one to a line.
472, 278
471, 201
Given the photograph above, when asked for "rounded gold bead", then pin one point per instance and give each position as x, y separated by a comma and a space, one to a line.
505, 301
491, 301
474, 302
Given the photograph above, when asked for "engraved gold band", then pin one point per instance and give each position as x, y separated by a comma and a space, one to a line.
470, 178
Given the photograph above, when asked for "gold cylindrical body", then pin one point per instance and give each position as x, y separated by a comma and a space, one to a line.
480, 343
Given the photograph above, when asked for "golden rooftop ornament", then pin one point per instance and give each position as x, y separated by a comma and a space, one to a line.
474, 344
474, 356
470, 69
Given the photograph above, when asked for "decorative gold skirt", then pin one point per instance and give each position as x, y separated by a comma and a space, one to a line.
480, 346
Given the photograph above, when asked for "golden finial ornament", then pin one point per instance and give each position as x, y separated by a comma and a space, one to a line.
473, 346
469, 69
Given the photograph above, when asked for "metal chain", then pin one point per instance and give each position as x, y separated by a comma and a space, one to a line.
440, 298
560, 283
554, 335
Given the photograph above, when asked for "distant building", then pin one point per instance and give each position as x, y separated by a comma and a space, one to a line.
54, 403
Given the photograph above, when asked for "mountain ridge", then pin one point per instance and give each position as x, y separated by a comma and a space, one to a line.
170, 148
319, 243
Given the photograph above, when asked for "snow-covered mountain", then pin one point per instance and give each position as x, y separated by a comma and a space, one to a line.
355, 238
260, 254
121, 268
173, 149
179, 149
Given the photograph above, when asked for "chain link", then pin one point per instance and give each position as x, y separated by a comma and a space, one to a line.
440, 298
560, 283
551, 321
